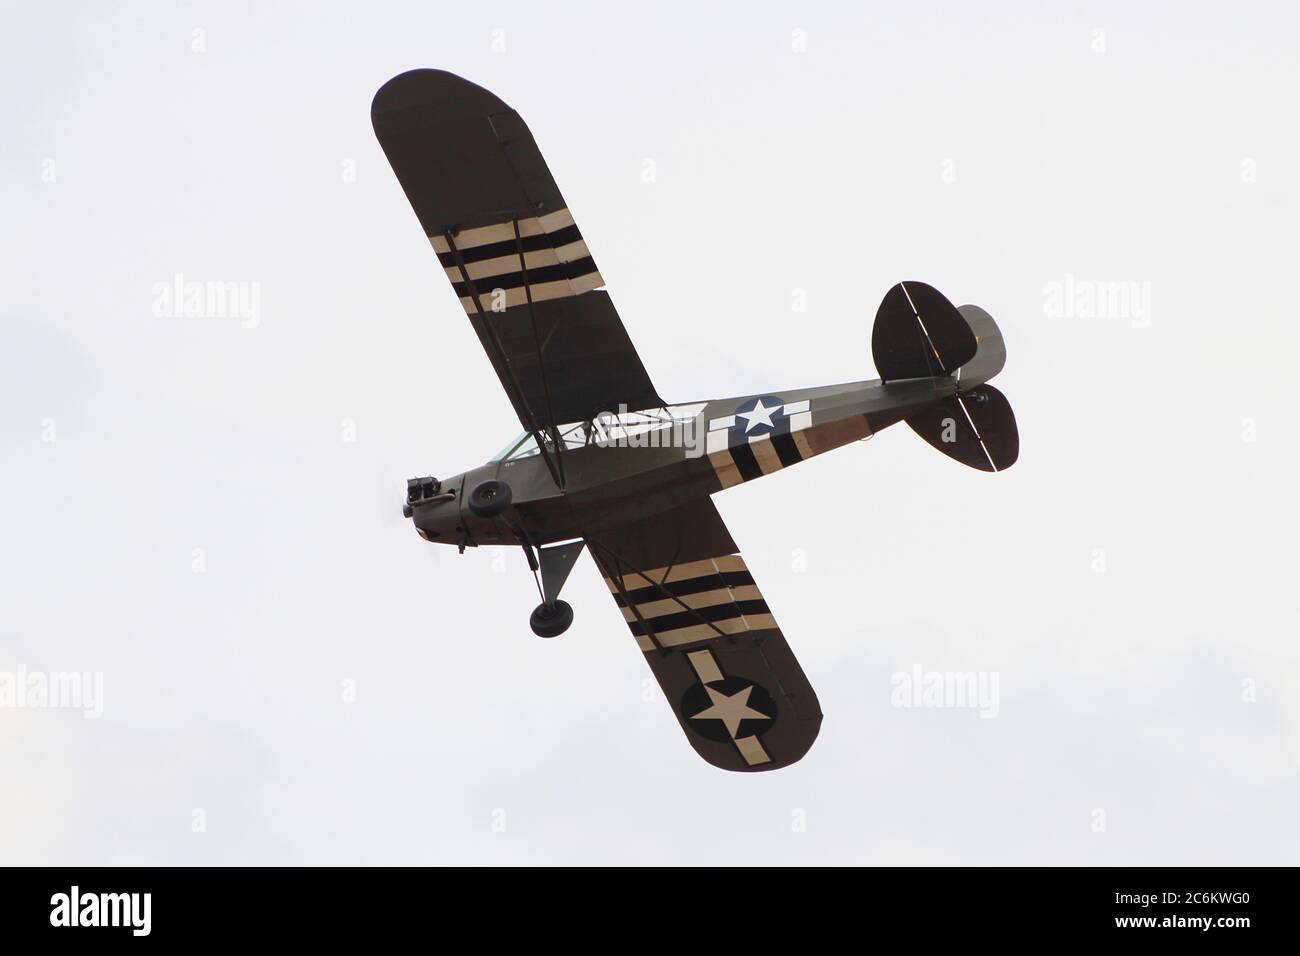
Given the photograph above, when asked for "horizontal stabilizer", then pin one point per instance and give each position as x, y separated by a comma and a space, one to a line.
976, 428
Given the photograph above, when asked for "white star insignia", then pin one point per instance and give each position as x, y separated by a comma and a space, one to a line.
760, 414
730, 710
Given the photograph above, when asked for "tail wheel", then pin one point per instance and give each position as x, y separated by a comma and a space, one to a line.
551, 620
490, 499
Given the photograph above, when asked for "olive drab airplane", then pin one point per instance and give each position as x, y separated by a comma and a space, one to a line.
605, 464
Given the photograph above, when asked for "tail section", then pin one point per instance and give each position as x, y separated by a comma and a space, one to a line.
919, 334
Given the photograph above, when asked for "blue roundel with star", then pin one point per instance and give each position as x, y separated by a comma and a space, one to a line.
759, 416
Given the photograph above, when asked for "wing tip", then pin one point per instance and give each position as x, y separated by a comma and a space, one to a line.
776, 751
429, 87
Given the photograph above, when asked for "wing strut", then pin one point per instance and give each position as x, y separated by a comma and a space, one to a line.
541, 366
494, 341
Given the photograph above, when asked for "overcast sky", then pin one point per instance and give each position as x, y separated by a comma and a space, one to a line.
206, 510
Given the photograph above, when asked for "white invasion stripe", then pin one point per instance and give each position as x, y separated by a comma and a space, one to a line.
793, 408
801, 421
801, 442
765, 454
556, 289
555, 221
541, 292
501, 232
727, 421
673, 604
573, 251
724, 466
585, 283
715, 441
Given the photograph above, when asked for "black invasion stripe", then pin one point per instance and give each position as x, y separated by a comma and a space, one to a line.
719, 612
507, 247
513, 280
745, 461
708, 582
786, 449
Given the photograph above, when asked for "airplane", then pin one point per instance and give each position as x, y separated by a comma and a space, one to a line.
605, 465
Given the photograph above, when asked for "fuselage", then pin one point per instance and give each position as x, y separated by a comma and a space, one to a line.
637, 464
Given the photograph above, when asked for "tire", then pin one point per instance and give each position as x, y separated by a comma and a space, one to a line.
551, 621
489, 499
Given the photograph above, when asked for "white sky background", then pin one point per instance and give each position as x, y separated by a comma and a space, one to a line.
776, 171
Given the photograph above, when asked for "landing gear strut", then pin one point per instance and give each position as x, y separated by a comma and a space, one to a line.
552, 617
550, 565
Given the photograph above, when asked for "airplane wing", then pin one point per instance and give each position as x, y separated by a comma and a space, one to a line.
709, 637
510, 248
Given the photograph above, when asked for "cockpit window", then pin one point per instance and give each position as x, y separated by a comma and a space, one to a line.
523, 445
514, 443
526, 450
605, 428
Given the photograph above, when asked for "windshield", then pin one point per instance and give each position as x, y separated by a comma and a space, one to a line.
517, 450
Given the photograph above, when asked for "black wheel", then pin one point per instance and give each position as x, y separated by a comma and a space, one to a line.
551, 621
489, 499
